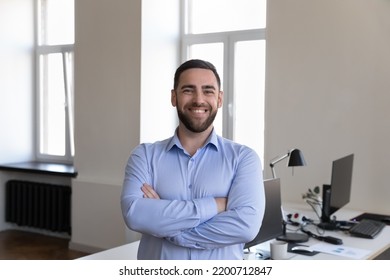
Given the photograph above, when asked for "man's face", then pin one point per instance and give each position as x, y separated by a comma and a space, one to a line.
197, 99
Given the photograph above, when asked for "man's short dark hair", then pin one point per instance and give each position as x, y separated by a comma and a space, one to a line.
195, 63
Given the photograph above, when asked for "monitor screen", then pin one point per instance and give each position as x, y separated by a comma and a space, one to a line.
341, 183
272, 226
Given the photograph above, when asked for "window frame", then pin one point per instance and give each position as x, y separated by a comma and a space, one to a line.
229, 39
67, 53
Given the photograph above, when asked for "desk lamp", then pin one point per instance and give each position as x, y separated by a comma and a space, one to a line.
296, 159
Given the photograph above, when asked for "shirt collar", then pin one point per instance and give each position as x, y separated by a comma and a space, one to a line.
212, 140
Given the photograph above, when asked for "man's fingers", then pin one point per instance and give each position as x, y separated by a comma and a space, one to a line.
149, 192
221, 203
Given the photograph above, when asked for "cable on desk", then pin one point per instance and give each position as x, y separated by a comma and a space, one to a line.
328, 239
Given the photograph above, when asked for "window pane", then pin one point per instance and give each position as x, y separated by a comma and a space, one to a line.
56, 22
52, 105
212, 52
207, 16
249, 80
69, 109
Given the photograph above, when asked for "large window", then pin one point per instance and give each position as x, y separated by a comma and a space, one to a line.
231, 35
54, 59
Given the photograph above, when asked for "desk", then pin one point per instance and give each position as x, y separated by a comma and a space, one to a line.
375, 246
124, 252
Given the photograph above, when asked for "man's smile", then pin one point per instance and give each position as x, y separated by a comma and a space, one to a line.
198, 111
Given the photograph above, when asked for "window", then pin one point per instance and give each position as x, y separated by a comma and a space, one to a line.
54, 59
234, 41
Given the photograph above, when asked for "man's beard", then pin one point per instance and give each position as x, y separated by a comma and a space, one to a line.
193, 126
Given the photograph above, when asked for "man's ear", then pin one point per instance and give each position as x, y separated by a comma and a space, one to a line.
220, 99
173, 98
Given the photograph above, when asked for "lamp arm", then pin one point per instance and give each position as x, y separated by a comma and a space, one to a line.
275, 161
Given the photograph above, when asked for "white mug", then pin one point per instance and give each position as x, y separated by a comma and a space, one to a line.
278, 250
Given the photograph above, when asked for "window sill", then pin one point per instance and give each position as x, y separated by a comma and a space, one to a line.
59, 169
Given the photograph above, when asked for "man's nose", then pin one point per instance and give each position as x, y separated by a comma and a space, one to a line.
198, 96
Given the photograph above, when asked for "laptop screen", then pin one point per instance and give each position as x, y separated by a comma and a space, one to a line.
272, 226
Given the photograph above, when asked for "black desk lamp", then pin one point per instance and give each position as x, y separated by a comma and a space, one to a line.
296, 159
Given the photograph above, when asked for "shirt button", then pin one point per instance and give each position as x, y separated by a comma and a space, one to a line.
190, 186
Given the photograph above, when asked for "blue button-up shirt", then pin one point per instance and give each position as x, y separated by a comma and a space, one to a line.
184, 223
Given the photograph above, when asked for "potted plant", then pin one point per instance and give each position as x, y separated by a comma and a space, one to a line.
314, 199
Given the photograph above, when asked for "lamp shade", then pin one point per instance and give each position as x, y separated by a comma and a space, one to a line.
296, 158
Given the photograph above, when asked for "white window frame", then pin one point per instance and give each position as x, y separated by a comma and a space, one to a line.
67, 53
229, 39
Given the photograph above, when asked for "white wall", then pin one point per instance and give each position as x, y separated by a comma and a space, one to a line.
114, 66
107, 110
16, 86
327, 87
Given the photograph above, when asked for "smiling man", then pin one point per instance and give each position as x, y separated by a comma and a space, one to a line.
195, 195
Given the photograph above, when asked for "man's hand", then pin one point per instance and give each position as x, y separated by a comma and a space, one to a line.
149, 192
221, 203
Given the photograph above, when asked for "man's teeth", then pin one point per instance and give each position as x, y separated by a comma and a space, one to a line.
199, 111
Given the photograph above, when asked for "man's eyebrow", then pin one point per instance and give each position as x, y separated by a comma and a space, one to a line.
193, 86
208, 87
187, 86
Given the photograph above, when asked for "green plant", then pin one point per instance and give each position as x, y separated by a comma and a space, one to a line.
313, 194
314, 199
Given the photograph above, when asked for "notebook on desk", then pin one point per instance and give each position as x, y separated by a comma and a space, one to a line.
372, 216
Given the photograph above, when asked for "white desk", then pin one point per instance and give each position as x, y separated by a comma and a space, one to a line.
376, 246
124, 252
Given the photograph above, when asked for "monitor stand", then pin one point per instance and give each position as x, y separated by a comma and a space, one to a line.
334, 225
326, 222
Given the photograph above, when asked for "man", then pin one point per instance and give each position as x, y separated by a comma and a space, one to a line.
195, 195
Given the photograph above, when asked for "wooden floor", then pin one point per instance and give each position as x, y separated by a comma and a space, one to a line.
21, 245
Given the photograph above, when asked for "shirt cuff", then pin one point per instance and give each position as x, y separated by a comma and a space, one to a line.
207, 208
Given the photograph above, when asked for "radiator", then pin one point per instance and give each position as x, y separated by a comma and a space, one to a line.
38, 205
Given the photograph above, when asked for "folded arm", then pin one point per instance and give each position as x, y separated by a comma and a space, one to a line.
241, 221
200, 223
159, 217
149, 192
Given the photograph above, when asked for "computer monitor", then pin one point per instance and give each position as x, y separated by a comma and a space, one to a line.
338, 193
272, 226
